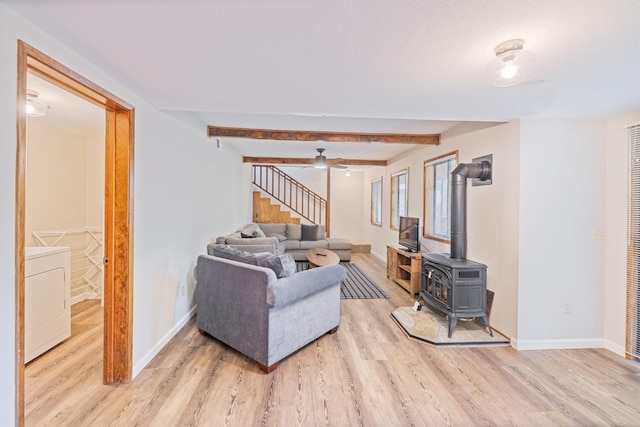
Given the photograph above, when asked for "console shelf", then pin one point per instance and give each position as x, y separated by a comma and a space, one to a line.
404, 268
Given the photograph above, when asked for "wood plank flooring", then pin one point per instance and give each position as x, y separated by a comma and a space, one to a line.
367, 374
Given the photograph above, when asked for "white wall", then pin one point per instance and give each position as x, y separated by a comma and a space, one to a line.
492, 218
312, 178
615, 268
562, 199
185, 193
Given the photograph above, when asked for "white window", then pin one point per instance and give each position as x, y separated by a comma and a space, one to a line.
437, 187
399, 198
376, 202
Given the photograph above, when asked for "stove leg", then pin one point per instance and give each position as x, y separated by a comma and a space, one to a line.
453, 321
486, 322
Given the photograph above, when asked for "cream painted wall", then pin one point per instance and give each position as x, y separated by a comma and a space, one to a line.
615, 268
562, 201
492, 219
94, 216
346, 206
185, 193
56, 195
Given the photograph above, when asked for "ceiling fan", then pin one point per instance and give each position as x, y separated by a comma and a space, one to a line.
321, 161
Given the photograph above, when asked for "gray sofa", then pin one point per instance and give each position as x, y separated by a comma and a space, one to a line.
295, 239
266, 318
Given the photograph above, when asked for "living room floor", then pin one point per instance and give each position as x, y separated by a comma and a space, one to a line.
368, 373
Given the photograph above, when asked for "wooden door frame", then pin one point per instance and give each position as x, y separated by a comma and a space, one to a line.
118, 215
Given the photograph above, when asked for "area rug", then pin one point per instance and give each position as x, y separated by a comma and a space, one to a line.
434, 328
356, 286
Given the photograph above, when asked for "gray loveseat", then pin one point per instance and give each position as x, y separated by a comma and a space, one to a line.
266, 318
295, 239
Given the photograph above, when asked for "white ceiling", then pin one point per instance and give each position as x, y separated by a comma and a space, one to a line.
361, 66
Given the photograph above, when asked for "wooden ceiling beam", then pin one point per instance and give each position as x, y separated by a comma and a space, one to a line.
302, 161
305, 135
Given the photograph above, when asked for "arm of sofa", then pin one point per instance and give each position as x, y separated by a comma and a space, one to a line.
290, 289
231, 303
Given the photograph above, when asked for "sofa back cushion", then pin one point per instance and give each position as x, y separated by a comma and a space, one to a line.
282, 265
294, 231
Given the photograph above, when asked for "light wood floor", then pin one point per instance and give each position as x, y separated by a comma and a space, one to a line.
368, 374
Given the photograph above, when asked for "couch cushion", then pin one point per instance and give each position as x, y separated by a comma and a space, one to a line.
272, 229
338, 243
309, 232
280, 237
227, 252
290, 244
294, 231
312, 244
283, 265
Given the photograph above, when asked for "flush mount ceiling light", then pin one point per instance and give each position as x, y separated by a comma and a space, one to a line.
512, 64
35, 107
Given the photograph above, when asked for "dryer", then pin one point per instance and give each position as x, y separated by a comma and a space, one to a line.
47, 299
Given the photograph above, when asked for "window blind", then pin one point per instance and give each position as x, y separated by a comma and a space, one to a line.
399, 199
376, 202
633, 244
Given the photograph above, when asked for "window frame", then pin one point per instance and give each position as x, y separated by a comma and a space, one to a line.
404, 172
373, 205
430, 192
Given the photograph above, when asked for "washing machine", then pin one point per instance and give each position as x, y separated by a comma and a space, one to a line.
47, 299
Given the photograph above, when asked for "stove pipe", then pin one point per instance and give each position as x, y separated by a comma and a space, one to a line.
482, 171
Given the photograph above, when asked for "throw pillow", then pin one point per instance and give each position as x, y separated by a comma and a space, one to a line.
248, 236
309, 232
249, 228
259, 233
288, 265
283, 265
293, 231
280, 237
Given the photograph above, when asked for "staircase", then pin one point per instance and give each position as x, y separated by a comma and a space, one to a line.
268, 213
289, 193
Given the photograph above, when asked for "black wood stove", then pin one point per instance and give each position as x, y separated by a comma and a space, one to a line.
451, 284
455, 288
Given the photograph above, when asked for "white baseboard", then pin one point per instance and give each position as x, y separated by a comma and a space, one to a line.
380, 257
615, 348
140, 365
85, 296
79, 298
557, 344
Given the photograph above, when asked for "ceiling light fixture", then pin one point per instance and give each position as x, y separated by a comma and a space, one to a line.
35, 107
321, 160
512, 64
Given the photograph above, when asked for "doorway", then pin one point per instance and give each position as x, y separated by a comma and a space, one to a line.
118, 214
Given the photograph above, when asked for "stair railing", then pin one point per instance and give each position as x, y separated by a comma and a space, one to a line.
291, 193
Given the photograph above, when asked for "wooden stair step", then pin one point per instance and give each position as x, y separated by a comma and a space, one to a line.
266, 212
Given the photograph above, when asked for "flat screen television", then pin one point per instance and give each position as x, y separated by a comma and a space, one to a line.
409, 233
